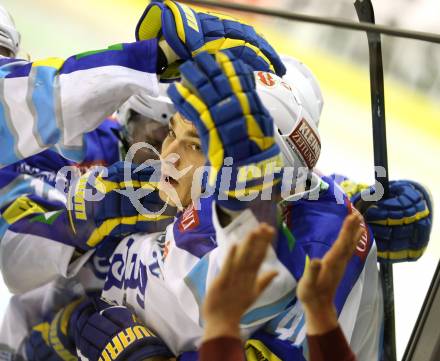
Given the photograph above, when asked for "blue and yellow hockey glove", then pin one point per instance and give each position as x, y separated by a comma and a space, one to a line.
53, 340
189, 33
107, 332
401, 223
234, 127
102, 207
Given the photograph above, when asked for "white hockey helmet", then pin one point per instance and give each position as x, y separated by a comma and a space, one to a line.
9, 36
296, 132
300, 77
160, 108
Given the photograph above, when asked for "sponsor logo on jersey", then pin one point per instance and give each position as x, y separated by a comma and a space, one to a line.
305, 142
127, 271
266, 79
363, 246
44, 175
190, 219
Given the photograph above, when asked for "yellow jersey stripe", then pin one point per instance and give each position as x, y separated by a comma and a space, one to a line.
55, 63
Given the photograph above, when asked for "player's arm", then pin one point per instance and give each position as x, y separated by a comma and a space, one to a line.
35, 245
45, 238
53, 102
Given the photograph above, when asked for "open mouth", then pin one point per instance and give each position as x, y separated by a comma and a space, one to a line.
170, 180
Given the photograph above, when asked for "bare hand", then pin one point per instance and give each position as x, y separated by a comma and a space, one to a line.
317, 287
237, 287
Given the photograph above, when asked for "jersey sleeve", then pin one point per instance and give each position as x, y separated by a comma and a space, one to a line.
316, 225
36, 243
51, 103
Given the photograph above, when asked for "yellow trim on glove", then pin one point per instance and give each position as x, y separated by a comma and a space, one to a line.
253, 128
106, 186
20, 208
55, 342
66, 313
108, 225
191, 19
43, 328
258, 351
213, 46
151, 24
402, 255
122, 340
401, 221
178, 19
215, 146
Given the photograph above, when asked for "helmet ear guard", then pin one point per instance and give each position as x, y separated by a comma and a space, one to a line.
295, 130
9, 35
300, 77
159, 109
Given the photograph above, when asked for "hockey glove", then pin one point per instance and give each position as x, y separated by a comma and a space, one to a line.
189, 33
53, 340
401, 223
234, 127
107, 332
116, 205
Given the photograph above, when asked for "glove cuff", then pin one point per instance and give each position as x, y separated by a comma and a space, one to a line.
258, 176
133, 344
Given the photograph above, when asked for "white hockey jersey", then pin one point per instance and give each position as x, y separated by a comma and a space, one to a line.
164, 278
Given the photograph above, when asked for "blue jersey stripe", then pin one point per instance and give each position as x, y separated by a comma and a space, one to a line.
44, 103
19, 186
141, 56
196, 280
76, 154
8, 144
19, 68
267, 311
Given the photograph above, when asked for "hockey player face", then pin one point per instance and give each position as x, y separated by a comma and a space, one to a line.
181, 156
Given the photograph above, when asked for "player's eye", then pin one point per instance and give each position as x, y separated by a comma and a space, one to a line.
171, 133
195, 147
